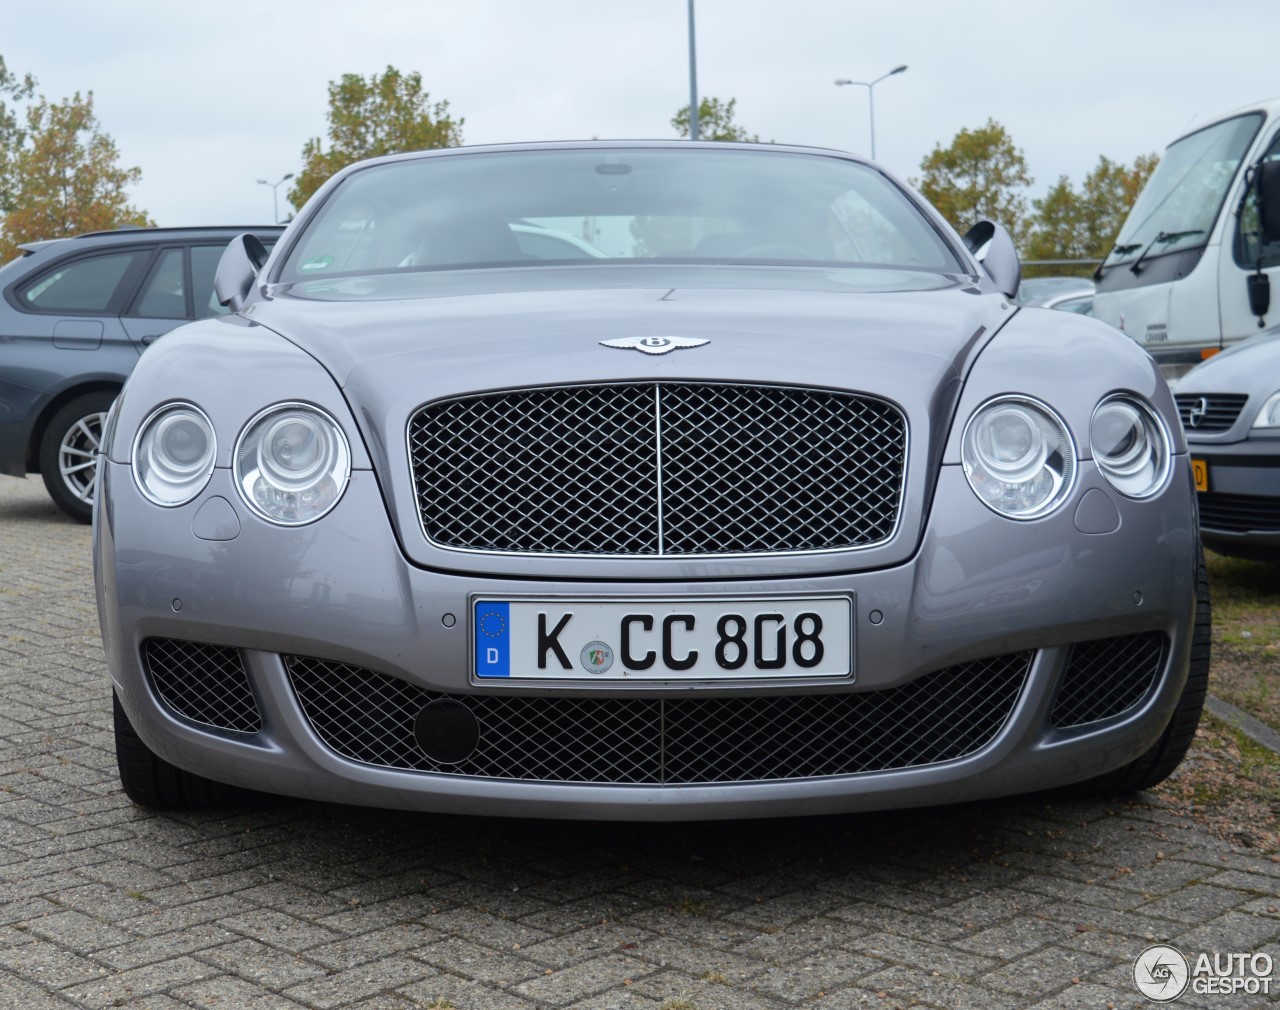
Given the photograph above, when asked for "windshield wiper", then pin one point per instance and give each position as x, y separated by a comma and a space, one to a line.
1124, 250
1164, 237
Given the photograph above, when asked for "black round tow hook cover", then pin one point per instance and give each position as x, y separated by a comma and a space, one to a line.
447, 731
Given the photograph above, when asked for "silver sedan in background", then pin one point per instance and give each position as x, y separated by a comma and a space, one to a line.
778, 505
1230, 408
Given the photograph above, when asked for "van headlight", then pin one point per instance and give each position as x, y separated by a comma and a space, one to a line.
1018, 456
292, 464
173, 454
1129, 445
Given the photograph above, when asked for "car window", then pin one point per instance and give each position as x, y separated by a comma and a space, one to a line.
163, 296
1250, 250
83, 285
204, 264
669, 204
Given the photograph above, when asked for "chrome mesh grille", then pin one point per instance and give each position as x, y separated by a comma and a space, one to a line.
658, 469
1107, 677
369, 717
207, 684
1217, 412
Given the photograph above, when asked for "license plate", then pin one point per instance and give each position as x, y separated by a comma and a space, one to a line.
1200, 472
748, 638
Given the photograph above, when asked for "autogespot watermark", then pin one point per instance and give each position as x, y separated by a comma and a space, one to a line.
1162, 973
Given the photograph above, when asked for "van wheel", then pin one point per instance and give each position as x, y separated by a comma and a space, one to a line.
69, 453
150, 781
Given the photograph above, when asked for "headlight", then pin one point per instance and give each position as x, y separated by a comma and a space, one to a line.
1018, 457
1129, 445
292, 463
173, 454
1269, 415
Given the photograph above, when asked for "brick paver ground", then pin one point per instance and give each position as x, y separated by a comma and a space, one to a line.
1000, 905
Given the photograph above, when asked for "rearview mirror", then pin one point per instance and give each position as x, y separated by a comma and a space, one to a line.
994, 249
238, 269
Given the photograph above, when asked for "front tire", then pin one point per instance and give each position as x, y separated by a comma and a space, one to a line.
69, 453
150, 781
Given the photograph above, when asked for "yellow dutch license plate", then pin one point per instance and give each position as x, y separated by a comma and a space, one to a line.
1200, 471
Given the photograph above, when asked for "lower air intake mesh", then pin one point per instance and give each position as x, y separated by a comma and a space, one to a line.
206, 684
1107, 677
369, 717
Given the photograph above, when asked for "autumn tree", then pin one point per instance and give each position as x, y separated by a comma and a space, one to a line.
65, 176
1083, 224
386, 114
17, 89
981, 174
715, 122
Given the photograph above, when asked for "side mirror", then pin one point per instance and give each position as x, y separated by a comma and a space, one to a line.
238, 269
1267, 179
994, 249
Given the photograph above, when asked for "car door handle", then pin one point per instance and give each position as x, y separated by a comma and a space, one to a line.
151, 338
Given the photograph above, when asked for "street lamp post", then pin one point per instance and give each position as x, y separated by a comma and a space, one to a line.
275, 206
871, 98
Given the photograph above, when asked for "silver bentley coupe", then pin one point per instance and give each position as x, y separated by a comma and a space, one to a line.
643, 481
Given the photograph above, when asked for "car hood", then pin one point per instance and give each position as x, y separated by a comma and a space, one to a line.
1250, 366
396, 343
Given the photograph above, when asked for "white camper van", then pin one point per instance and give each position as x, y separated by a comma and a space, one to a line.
1197, 264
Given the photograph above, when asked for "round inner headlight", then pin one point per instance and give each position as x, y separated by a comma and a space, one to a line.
292, 464
1129, 445
173, 455
1018, 457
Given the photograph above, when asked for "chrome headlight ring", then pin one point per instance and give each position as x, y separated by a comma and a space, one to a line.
173, 454
1018, 456
1130, 445
291, 463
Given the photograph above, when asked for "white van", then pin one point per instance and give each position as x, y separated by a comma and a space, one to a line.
1196, 262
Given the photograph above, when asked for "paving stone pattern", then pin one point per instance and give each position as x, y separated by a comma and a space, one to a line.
289, 904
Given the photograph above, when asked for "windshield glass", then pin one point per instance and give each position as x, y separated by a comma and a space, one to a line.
1181, 200
603, 205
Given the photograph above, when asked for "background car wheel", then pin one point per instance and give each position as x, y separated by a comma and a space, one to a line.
68, 453
1157, 764
150, 781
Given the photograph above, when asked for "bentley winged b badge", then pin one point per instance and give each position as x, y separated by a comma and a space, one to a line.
654, 345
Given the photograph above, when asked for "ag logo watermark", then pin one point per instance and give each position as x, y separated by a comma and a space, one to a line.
1162, 973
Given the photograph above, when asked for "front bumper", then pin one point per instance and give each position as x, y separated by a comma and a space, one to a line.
1240, 512
342, 592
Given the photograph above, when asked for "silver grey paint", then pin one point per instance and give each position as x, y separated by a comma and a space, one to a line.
363, 586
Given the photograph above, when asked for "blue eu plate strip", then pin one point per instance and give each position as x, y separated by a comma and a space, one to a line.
493, 639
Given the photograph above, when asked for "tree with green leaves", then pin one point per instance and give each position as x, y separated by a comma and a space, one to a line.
1084, 223
715, 122
980, 174
387, 114
62, 174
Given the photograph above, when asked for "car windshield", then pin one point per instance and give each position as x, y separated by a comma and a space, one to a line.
602, 205
1180, 202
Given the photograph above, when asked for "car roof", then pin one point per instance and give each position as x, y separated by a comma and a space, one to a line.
132, 235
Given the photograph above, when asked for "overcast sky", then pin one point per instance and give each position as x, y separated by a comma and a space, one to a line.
208, 97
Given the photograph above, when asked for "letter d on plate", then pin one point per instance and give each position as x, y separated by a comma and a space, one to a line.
492, 629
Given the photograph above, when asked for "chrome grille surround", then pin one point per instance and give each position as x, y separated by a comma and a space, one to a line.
1107, 676
656, 469
641, 739
204, 684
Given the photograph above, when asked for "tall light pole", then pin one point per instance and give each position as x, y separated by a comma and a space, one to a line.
275, 206
871, 98
693, 79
